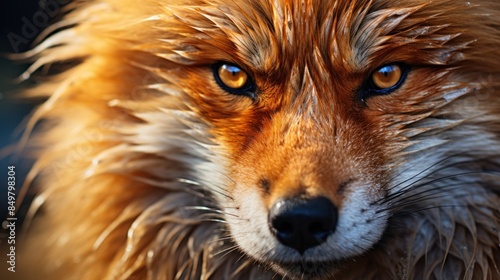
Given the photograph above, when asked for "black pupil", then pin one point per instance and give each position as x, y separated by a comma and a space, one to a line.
386, 70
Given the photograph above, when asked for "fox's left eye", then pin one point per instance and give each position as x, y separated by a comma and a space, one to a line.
385, 80
233, 79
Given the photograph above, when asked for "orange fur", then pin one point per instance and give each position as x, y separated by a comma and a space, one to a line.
145, 163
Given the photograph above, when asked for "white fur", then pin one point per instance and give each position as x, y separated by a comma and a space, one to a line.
353, 234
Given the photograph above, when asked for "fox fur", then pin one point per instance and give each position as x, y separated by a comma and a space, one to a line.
147, 169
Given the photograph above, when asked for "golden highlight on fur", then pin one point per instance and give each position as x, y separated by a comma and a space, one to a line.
148, 169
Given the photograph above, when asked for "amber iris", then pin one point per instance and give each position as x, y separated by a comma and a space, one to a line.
387, 76
232, 76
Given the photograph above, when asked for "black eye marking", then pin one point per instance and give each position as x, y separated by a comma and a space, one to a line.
234, 79
385, 80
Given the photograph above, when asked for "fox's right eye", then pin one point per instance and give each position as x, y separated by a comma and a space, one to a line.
233, 79
385, 80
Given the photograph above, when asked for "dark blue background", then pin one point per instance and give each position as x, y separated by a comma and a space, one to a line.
13, 110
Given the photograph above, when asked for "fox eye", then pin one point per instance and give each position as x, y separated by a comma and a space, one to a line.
385, 80
387, 76
233, 79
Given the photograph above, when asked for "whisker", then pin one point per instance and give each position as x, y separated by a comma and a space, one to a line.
411, 193
402, 213
226, 251
205, 208
419, 173
221, 239
412, 186
474, 160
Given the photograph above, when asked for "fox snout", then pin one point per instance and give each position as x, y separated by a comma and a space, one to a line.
306, 191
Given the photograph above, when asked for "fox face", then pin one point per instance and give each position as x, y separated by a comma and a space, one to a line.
263, 139
308, 179
342, 116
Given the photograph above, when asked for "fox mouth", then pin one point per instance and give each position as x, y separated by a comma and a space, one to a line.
308, 269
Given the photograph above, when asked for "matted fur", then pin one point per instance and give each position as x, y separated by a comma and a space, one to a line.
140, 151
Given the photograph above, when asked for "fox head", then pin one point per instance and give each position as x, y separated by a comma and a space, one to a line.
331, 114
313, 133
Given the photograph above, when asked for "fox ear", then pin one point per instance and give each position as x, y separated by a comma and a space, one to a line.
384, 80
233, 79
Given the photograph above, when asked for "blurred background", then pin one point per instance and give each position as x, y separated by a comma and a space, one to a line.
20, 23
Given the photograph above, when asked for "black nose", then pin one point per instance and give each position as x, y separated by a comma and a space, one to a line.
303, 223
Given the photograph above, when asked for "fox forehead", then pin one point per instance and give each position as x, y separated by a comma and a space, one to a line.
276, 35
338, 35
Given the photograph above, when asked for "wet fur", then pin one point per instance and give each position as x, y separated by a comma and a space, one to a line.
139, 148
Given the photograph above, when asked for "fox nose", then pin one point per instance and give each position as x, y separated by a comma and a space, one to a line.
303, 223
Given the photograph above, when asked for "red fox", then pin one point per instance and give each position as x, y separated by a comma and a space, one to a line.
286, 139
